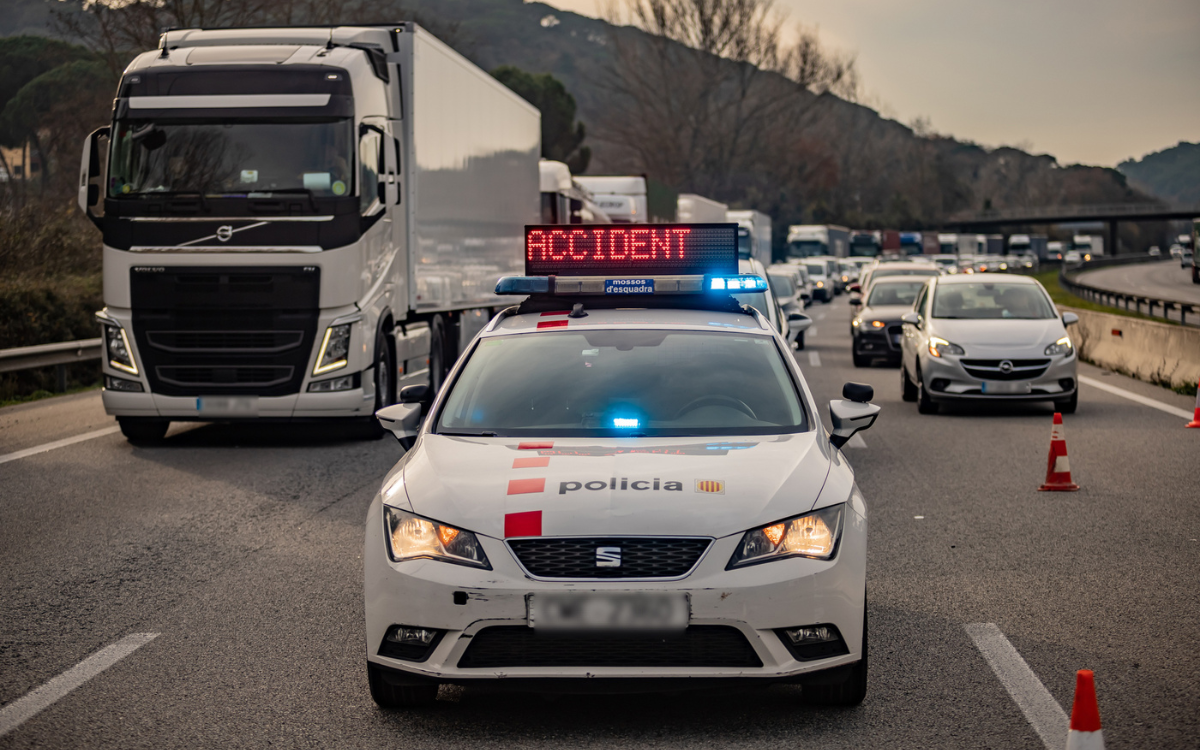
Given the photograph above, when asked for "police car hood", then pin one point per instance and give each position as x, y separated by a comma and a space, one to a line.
578, 486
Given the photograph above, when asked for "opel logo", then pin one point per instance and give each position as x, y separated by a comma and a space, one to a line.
1006, 367
608, 557
224, 233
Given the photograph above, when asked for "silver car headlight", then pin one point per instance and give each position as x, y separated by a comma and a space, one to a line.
813, 535
116, 343
1062, 346
939, 346
411, 537
335, 347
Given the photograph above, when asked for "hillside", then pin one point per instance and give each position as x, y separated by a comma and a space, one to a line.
1172, 174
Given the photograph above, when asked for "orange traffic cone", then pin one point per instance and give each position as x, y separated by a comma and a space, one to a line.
1058, 469
1196, 415
1085, 732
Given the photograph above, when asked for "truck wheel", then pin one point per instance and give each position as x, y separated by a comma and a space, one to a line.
398, 696
908, 391
143, 431
925, 405
849, 693
385, 386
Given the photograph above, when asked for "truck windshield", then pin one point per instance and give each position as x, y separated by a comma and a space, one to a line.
622, 383
242, 159
805, 248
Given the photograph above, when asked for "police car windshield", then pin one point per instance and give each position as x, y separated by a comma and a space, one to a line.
616, 383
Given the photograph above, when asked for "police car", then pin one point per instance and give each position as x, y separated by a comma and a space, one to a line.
624, 484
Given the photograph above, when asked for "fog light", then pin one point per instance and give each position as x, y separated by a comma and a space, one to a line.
119, 384
405, 634
812, 642
812, 634
409, 642
344, 383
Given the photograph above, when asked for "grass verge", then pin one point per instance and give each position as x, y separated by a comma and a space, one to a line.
41, 394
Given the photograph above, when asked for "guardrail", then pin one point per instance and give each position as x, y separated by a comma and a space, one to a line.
1121, 300
51, 355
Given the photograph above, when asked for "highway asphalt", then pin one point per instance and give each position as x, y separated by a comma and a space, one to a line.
241, 545
1161, 280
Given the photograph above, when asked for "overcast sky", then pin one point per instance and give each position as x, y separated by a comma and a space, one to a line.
1089, 81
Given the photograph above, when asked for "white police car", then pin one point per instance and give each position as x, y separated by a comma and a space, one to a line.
624, 484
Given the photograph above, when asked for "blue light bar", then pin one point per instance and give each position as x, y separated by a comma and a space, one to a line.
523, 285
736, 283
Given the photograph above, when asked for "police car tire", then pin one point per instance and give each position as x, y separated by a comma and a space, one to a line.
398, 696
908, 391
925, 405
143, 431
849, 693
1068, 406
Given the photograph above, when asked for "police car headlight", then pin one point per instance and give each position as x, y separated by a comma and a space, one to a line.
335, 347
1062, 346
814, 535
411, 537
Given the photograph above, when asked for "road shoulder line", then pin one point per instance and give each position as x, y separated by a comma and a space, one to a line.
1135, 397
1041, 710
40, 698
57, 444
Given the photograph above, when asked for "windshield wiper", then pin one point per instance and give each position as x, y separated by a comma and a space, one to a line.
176, 193
483, 433
312, 201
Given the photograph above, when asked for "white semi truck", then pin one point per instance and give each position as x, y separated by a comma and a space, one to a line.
696, 209
298, 222
809, 240
754, 234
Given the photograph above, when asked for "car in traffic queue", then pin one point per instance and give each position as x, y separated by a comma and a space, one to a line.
917, 268
821, 276
799, 273
984, 338
623, 485
782, 283
876, 329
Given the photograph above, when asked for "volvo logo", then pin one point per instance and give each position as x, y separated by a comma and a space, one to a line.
224, 233
1006, 366
608, 557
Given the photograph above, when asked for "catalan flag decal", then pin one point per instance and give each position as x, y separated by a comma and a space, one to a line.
711, 486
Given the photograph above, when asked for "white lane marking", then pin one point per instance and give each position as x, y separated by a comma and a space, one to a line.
814, 359
57, 444
919, 518
1135, 397
856, 442
29, 705
1041, 710
811, 331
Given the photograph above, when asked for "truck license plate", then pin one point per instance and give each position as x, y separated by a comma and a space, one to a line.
617, 612
227, 406
1009, 387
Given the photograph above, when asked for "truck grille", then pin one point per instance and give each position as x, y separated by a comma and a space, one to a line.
520, 646
641, 557
989, 369
228, 331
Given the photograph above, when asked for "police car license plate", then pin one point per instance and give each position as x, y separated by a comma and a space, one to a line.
617, 612
227, 406
989, 387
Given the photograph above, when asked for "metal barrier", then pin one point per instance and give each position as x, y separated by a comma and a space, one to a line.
1121, 300
51, 355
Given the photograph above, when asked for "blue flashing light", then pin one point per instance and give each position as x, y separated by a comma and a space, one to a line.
626, 423
738, 283
523, 285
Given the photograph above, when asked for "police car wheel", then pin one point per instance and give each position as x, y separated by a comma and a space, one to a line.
908, 391
398, 696
849, 693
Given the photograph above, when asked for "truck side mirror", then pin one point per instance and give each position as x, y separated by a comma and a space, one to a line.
89, 169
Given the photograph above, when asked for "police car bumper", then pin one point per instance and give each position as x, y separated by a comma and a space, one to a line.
478, 627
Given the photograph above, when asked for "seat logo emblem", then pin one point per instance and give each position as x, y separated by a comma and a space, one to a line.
608, 557
1006, 366
224, 233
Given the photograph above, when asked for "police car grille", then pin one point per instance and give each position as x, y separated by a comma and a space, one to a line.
521, 646
641, 557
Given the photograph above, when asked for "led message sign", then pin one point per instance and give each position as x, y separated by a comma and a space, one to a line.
631, 249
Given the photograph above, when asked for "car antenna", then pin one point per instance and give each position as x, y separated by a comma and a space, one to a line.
577, 311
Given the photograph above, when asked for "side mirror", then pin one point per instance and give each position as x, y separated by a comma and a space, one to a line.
911, 318
850, 417
798, 323
402, 420
89, 169
858, 392
855, 287
1069, 318
415, 394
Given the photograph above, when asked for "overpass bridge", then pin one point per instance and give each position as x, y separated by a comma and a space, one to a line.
1111, 214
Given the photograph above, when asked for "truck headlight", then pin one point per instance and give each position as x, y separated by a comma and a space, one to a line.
120, 355
1062, 346
814, 535
334, 349
411, 537
938, 347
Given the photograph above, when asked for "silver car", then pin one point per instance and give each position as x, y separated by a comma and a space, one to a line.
998, 338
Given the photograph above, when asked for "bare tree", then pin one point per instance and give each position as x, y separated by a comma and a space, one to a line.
820, 71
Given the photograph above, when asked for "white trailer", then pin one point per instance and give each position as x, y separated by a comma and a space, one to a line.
297, 222
696, 209
808, 240
564, 201
622, 198
754, 234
